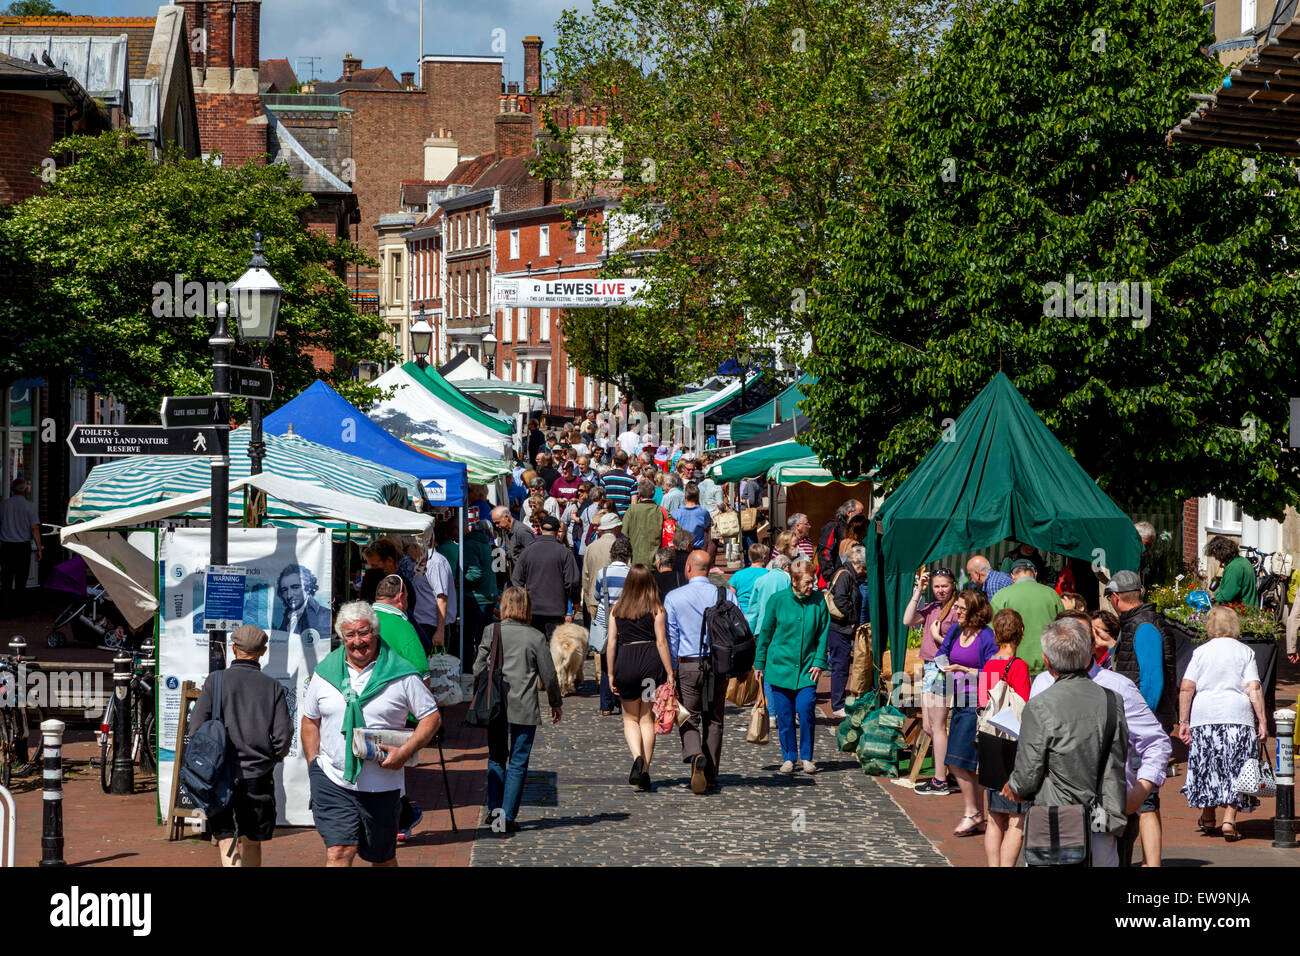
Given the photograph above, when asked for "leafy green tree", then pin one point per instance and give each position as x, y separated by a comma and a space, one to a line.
730, 128
96, 257
1031, 153
32, 8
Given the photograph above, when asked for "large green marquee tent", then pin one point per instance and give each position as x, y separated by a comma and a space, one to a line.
999, 473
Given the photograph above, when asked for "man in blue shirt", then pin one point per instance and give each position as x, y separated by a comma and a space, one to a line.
702, 733
984, 575
694, 518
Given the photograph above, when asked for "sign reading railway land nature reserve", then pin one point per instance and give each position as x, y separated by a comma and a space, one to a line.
566, 293
90, 441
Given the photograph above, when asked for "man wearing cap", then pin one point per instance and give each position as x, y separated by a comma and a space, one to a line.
1145, 652
548, 572
256, 715
362, 684
1037, 604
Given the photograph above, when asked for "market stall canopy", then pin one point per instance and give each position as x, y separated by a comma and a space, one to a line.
756, 462
778, 410
784, 432
461, 368
717, 399
150, 480
446, 392
130, 576
808, 471
499, 386
675, 404
482, 471
322, 415
998, 473
415, 414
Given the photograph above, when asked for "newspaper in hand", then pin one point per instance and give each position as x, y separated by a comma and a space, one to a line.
374, 745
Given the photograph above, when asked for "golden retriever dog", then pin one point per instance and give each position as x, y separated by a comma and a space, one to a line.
568, 651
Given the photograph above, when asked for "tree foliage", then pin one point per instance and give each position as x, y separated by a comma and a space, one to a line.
731, 128
32, 8
1032, 152
89, 256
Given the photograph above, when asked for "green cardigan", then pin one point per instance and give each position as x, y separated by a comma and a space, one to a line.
1237, 584
792, 639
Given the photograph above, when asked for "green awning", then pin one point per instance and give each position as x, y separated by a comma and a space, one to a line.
497, 386
999, 473
448, 393
716, 399
756, 462
667, 406
807, 470
765, 416
480, 471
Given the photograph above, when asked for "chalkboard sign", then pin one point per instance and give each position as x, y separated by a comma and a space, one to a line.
182, 810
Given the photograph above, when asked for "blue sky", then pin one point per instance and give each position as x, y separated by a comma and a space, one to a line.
381, 32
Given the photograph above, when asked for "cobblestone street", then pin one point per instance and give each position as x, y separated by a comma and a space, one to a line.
578, 808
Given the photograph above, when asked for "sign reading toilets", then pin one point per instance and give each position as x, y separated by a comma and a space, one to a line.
286, 591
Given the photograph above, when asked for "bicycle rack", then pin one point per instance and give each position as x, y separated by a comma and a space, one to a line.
8, 828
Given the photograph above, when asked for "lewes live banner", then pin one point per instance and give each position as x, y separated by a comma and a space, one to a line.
566, 293
287, 594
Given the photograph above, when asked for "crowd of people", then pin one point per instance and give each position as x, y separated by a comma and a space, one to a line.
614, 533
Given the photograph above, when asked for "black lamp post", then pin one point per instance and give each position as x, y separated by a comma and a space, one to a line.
257, 308
421, 340
218, 539
490, 352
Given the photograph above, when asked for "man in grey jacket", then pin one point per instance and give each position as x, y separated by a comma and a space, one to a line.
1061, 740
256, 715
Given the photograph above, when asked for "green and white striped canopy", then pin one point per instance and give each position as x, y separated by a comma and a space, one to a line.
130, 482
807, 470
481, 471
669, 406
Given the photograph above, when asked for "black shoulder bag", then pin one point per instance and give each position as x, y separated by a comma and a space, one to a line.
1062, 836
488, 704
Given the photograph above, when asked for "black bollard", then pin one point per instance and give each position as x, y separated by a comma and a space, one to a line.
1284, 770
52, 822
123, 780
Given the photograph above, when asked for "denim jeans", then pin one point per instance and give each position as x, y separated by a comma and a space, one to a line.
785, 704
506, 784
839, 648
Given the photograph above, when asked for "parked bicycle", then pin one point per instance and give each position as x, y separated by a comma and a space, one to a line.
144, 727
1272, 572
15, 722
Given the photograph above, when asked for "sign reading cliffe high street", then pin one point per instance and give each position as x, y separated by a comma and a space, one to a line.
566, 293
92, 441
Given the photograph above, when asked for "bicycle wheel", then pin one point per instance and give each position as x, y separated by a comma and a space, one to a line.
148, 742
105, 748
6, 746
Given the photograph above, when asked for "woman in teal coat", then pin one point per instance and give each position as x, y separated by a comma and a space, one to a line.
791, 657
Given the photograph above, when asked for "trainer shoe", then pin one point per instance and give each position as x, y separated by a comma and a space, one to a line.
809, 767
838, 713
416, 816
787, 767
933, 788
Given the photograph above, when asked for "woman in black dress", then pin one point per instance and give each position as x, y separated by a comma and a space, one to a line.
636, 653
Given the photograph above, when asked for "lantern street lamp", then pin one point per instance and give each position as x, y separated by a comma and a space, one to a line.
421, 340
490, 351
257, 309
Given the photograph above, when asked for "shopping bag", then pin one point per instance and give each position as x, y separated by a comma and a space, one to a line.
862, 673
665, 708
758, 723
444, 679
743, 691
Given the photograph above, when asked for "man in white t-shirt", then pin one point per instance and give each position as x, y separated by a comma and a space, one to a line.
631, 442
361, 684
437, 572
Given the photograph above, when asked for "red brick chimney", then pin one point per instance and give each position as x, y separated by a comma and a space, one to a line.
350, 66
532, 64
513, 133
194, 40
217, 17
248, 19
408, 80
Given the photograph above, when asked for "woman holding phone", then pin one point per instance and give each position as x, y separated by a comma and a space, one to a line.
969, 645
934, 618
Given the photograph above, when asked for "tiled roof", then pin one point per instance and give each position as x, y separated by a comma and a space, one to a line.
507, 172
306, 168
139, 33
468, 171
278, 75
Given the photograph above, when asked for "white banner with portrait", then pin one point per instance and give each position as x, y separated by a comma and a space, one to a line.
287, 594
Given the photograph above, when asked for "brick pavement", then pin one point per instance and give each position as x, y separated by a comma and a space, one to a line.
578, 808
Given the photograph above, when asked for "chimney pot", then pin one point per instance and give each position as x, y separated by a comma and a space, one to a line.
350, 66
532, 64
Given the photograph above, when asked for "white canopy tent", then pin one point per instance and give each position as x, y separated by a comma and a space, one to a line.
129, 575
415, 414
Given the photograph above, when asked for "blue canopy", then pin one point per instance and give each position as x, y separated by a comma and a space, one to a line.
322, 415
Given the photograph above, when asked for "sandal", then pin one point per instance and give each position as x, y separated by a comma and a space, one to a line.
1230, 834
976, 827
1208, 826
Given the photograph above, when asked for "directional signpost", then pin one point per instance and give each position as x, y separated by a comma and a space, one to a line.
246, 382
179, 411
93, 441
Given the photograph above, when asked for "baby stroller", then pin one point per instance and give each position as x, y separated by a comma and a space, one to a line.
91, 618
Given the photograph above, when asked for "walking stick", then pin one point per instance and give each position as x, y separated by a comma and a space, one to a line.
446, 786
